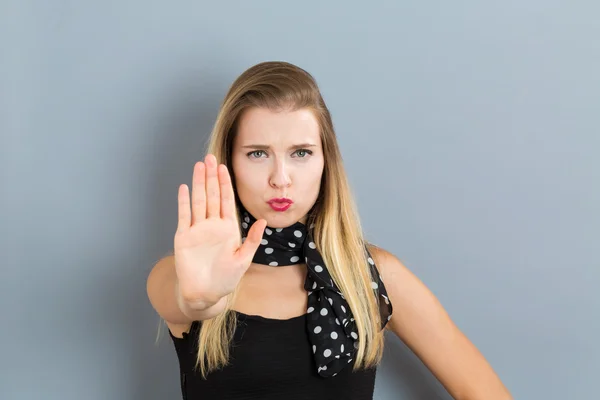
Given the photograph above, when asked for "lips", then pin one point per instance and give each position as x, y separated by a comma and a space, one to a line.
280, 200
280, 204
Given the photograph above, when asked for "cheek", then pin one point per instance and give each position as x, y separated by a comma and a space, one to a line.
247, 180
238, 175
311, 178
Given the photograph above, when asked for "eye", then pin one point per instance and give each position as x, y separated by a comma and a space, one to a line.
254, 153
303, 152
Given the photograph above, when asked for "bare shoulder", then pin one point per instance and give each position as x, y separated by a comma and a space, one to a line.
159, 288
390, 267
407, 293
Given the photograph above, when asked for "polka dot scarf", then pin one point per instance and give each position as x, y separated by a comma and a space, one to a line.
331, 328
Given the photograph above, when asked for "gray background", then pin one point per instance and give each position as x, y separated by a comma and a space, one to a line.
470, 131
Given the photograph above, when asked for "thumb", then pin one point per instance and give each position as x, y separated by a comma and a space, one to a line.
250, 245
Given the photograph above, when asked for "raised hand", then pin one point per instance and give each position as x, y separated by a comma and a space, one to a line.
210, 259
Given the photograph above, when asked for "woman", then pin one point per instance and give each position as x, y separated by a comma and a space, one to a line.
272, 291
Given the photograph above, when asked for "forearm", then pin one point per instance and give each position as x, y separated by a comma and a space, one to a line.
198, 309
171, 305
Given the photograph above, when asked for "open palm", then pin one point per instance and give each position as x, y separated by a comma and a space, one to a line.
210, 259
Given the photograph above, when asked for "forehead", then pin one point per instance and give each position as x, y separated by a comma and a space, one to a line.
265, 126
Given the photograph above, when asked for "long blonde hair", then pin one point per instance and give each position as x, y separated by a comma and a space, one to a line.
337, 230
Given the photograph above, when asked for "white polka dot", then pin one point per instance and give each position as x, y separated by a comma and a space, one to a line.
314, 348
374, 285
273, 263
337, 321
317, 329
312, 245
371, 261
268, 250
342, 348
354, 335
323, 311
297, 233
349, 361
343, 308
279, 229
268, 231
292, 245
318, 268
294, 259
314, 285
264, 242
330, 300
310, 309
334, 335
246, 219
245, 225
386, 299
327, 353
389, 317
336, 372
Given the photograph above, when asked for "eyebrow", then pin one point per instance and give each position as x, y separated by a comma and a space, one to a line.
267, 147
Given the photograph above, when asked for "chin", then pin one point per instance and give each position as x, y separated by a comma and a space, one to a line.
279, 219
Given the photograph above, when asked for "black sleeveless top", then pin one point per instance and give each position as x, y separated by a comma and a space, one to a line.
269, 359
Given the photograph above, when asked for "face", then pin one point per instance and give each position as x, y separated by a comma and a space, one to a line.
278, 155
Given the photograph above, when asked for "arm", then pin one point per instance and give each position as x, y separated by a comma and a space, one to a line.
163, 292
421, 322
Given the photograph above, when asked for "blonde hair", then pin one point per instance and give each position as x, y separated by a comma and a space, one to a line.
337, 230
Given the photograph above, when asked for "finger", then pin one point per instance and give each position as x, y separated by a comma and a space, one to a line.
213, 197
183, 207
250, 245
198, 193
227, 196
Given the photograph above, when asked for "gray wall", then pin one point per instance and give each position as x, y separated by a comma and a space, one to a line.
470, 132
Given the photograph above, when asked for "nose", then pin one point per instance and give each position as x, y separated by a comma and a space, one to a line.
280, 177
